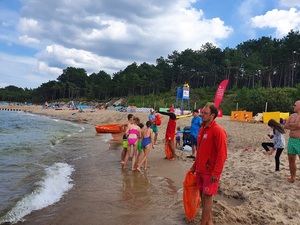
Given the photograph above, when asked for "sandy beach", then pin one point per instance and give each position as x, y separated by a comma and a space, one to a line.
250, 191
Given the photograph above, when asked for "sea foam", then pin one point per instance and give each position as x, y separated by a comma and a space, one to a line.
56, 182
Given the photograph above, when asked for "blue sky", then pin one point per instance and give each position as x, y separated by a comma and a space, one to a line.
38, 39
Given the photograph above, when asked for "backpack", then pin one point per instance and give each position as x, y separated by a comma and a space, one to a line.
157, 119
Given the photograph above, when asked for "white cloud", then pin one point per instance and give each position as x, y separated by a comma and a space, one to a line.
289, 3
124, 30
56, 56
107, 35
49, 70
25, 39
282, 20
22, 72
28, 25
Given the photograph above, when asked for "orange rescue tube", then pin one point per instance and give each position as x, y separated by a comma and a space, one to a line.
191, 196
168, 150
108, 128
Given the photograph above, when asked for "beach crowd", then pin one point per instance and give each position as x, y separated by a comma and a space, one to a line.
209, 147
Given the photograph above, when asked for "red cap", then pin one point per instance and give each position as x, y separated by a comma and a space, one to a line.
171, 109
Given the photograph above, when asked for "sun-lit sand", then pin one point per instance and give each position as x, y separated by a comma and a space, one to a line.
250, 192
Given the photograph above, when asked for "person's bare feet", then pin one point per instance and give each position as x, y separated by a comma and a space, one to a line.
139, 169
291, 180
172, 159
272, 151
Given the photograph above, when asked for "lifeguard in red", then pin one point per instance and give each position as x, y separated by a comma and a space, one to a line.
170, 132
212, 150
210, 159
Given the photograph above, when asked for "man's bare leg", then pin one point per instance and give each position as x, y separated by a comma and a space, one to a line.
207, 203
293, 167
171, 144
155, 138
194, 150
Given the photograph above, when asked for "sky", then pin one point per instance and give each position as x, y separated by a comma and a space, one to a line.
39, 39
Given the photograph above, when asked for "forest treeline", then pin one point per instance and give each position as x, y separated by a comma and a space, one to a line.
257, 64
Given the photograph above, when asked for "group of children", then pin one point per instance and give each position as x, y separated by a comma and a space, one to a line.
137, 140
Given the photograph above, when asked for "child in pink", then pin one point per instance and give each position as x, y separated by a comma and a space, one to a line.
133, 132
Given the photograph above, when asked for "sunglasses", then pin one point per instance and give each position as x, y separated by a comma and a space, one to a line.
205, 113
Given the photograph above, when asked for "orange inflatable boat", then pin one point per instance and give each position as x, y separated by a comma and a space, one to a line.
191, 196
108, 128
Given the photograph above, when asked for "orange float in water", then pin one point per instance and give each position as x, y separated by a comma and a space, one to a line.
191, 196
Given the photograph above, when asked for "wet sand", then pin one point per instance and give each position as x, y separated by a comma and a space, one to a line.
250, 191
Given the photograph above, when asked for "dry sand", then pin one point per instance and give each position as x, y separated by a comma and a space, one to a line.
250, 191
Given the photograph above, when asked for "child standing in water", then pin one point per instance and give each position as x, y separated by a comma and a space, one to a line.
177, 138
140, 148
133, 132
278, 143
124, 127
147, 142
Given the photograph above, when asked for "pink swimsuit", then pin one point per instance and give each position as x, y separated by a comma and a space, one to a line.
132, 141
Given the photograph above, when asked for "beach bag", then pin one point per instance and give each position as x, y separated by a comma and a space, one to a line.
191, 196
158, 119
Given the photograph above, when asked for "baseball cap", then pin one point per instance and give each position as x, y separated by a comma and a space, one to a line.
171, 109
151, 110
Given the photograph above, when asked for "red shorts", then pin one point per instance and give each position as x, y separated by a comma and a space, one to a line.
205, 185
170, 136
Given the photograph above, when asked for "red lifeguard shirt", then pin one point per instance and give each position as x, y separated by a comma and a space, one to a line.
211, 150
171, 127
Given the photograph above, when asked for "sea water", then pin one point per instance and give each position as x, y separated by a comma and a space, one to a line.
33, 169
43, 160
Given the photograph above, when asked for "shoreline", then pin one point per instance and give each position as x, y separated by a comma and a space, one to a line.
250, 190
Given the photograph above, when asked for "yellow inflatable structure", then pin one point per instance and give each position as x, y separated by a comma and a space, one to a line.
275, 115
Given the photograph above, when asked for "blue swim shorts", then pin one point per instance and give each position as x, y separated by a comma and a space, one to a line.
294, 146
193, 140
